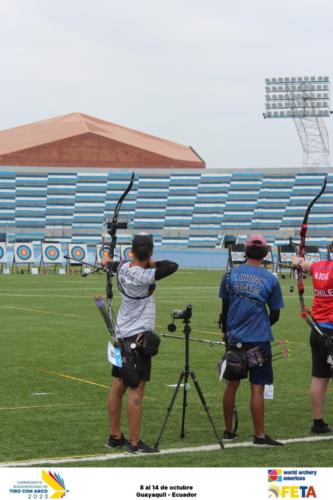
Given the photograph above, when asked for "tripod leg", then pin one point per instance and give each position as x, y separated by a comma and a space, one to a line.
159, 437
206, 408
182, 432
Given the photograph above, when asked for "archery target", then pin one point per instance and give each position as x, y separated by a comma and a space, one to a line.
77, 252
3, 252
24, 253
286, 256
100, 253
126, 252
237, 256
52, 253
312, 257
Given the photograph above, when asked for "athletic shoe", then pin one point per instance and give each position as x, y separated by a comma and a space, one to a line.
266, 441
229, 435
321, 428
115, 443
141, 447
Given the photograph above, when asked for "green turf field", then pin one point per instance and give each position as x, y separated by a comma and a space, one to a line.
52, 335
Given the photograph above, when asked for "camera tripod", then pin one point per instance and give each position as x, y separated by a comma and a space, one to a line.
184, 376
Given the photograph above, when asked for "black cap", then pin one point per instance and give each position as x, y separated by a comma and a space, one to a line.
142, 241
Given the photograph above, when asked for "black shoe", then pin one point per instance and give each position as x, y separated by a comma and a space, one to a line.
141, 447
266, 441
321, 428
229, 435
115, 443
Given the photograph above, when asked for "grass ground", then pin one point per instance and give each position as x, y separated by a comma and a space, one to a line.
52, 336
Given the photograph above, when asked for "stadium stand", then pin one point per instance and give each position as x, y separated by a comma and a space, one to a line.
181, 208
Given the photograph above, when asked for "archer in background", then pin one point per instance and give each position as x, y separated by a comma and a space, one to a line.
246, 292
136, 316
321, 345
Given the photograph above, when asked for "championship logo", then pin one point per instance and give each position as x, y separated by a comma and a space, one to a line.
50, 485
56, 482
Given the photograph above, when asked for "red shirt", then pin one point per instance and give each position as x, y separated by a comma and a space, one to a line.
322, 279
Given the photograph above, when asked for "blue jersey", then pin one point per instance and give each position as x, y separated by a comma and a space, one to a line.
250, 290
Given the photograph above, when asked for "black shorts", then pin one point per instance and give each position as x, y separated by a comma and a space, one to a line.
320, 367
263, 375
144, 364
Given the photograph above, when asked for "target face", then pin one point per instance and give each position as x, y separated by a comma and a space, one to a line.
78, 253
100, 253
103, 253
24, 253
286, 256
127, 253
3, 252
52, 252
312, 257
237, 256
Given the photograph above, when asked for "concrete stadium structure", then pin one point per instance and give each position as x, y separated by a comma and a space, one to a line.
182, 208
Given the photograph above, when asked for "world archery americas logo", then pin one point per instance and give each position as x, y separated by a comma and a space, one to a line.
274, 475
56, 482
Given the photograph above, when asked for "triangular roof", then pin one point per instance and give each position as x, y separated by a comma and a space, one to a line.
46, 132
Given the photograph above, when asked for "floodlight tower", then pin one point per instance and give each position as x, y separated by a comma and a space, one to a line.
306, 100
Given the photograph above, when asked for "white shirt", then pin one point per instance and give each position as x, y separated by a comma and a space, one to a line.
135, 316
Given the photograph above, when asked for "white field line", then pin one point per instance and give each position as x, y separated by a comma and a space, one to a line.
33, 295
168, 451
52, 405
53, 289
41, 311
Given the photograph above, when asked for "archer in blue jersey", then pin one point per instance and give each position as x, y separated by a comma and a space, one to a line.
251, 302
249, 291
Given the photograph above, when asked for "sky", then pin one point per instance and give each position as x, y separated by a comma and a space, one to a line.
186, 70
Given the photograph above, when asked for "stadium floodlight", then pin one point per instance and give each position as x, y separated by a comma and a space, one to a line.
306, 100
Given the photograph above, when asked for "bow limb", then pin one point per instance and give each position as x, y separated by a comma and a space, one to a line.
114, 221
301, 253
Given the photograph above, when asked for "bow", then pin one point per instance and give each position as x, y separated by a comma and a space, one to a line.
293, 248
305, 312
112, 227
